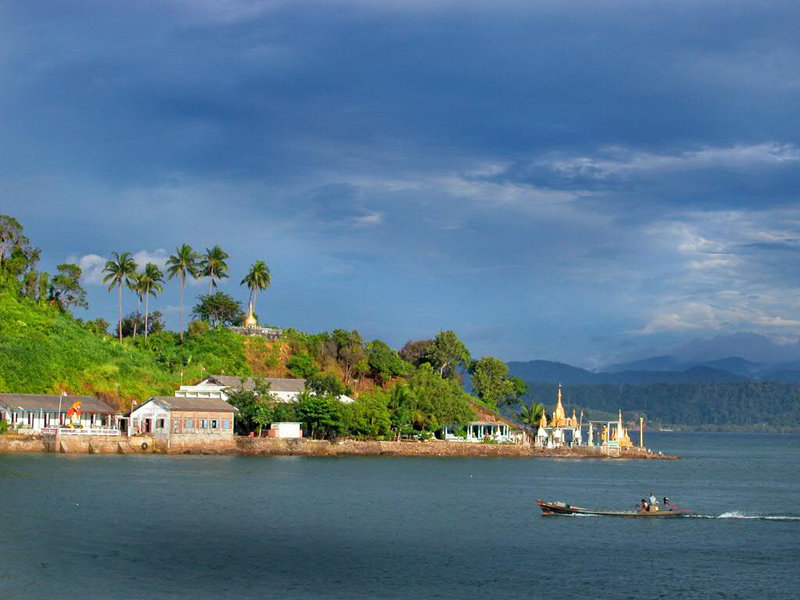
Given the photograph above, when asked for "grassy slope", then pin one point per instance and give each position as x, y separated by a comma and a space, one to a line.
44, 351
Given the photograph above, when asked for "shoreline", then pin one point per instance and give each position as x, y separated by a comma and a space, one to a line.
245, 446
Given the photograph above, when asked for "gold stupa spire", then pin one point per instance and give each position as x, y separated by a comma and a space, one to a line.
559, 418
250, 321
543, 420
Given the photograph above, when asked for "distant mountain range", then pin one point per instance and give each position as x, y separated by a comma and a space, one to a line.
732, 358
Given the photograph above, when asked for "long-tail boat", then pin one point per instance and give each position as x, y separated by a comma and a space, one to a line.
562, 508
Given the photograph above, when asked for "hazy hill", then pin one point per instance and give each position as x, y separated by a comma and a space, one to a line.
542, 371
767, 405
744, 354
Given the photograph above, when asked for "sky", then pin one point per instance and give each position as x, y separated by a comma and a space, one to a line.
565, 180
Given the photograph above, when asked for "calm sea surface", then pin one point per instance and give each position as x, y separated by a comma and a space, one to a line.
95, 526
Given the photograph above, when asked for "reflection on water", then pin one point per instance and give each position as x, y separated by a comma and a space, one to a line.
210, 527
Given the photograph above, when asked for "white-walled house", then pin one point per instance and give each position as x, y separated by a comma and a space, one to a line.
217, 386
183, 418
285, 430
44, 413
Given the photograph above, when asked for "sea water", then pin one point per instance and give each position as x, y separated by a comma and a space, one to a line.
96, 526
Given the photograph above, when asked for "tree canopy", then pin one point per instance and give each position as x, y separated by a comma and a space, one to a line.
218, 309
447, 353
491, 382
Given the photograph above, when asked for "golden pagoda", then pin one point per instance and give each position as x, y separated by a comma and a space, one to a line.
250, 321
621, 434
559, 418
543, 420
573, 420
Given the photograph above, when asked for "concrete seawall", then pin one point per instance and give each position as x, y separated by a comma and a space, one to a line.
273, 447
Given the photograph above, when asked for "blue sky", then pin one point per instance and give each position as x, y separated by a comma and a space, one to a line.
574, 181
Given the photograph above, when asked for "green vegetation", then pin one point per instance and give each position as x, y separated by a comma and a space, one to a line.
410, 393
214, 266
531, 414
184, 262
258, 278
219, 309
492, 383
44, 349
120, 269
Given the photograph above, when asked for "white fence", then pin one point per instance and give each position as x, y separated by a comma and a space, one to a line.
86, 431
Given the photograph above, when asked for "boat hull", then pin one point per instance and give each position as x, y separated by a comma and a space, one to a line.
561, 508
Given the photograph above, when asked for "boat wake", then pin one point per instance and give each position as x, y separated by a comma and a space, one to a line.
740, 515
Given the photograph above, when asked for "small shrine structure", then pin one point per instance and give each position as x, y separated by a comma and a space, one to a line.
561, 430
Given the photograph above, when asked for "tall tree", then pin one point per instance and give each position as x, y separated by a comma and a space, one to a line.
447, 353
492, 384
17, 257
258, 278
65, 288
213, 266
120, 269
151, 280
350, 350
184, 262
218, 309
137, 287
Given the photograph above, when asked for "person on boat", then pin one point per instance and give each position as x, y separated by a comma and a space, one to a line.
653, 501
645, 506
665, 501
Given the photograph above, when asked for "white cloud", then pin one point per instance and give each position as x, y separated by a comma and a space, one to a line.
375, 218
91, 268
620, 161
724, 312
92, 264
157, 257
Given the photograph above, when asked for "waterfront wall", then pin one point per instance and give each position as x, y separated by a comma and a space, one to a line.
302, 447
277, 447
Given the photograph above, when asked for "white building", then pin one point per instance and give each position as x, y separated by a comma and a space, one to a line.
173, 417
43, 413
285, 430
217, 386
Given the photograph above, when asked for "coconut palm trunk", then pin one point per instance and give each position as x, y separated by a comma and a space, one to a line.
146, 299
183, 283
119, 323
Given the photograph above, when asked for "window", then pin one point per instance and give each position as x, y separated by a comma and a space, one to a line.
203, 424
188, 424
226, 424
213, 424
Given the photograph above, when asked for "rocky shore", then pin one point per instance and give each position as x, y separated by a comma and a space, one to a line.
274, 447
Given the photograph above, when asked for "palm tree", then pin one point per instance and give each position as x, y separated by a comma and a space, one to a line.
258, 278
531, 415
135, 285
179, 264
151, 280
120, 268
214, 266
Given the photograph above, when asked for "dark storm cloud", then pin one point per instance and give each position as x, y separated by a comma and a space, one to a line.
611, 160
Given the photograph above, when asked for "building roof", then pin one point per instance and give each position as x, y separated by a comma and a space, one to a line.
50, 403
487, 416
276, 384
177, 403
